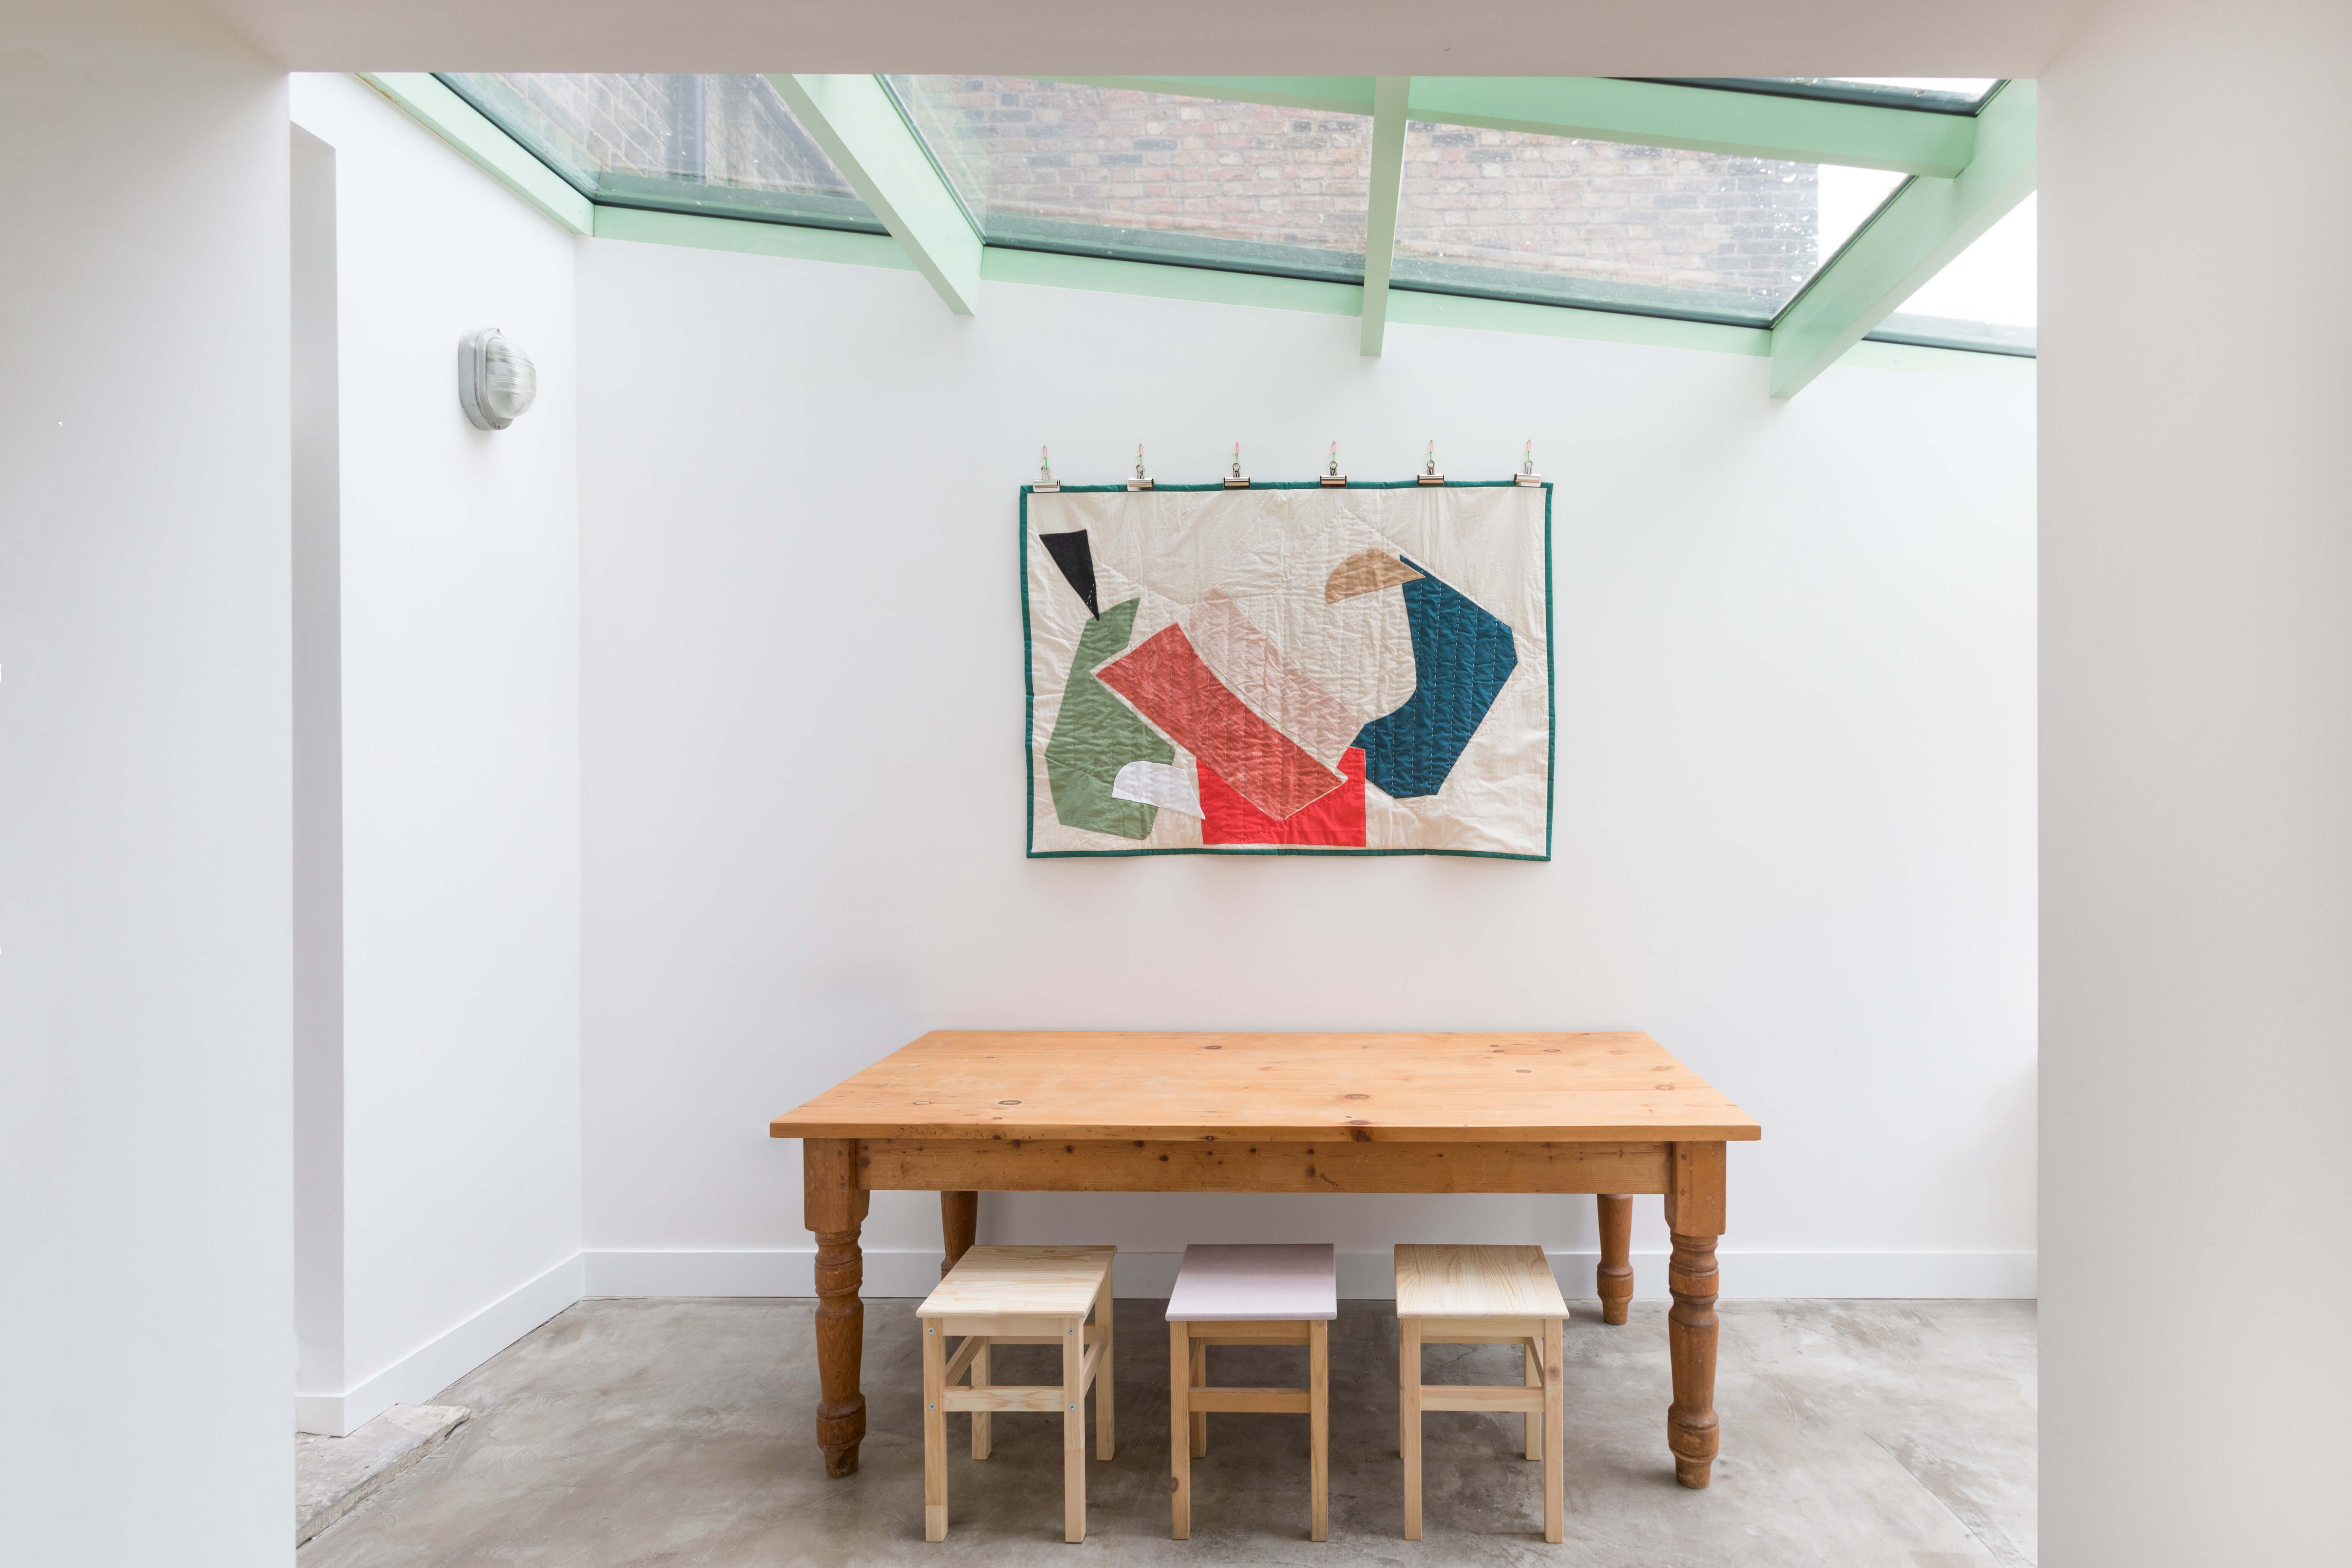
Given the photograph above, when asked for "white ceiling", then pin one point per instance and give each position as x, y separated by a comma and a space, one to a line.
1256, 38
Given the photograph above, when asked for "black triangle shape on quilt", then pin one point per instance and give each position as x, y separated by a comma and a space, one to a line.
1075, 557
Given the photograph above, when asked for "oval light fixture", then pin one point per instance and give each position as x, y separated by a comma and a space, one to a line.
496, 382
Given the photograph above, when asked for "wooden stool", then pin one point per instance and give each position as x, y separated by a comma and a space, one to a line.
1480, 1296
1018, 1296
1278, 1295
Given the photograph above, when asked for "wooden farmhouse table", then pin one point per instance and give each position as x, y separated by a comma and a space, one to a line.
961, 1112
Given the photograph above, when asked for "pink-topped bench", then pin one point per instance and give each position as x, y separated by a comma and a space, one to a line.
1250, 1295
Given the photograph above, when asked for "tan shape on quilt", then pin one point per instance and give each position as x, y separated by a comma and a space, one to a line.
1366, 572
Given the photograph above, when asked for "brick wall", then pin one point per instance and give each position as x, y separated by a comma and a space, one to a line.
1242, 171
1024, 151
1647, 215
1234, 170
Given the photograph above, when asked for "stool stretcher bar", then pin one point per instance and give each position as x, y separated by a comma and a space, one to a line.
1046, 1397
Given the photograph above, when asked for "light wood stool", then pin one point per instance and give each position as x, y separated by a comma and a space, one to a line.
1480, 1296
1250, 1295
1018, 1296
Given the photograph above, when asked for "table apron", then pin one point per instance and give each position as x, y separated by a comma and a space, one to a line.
1104, 1165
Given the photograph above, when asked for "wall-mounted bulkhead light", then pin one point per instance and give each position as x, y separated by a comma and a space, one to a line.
496, 382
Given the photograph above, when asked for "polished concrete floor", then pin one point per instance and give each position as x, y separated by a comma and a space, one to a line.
1877, 1433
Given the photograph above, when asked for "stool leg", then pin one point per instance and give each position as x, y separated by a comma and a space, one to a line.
982, 1442
1180, 1432
1104, 1444
1535, 1421
1555, 1445
1073, 1431
1199, 1374
1409, 1420
1318, 1426
935, 1435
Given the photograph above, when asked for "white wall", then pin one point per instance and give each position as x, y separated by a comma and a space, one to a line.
318, 769
459, 719
1795, 815
2197, 792
144, 968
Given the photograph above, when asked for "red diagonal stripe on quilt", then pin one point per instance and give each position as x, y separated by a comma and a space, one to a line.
1169, 685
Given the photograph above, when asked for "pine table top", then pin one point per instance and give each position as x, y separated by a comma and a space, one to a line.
1391, 1087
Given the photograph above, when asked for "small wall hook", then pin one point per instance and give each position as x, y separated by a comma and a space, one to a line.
1046, 480
1142, 481
1333, 478
1237, 480
1429, 474
1527, 474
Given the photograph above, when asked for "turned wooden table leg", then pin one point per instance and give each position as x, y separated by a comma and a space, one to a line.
1614, 1281
1690, 1336
1695, 1205
835, 1210
959, 1226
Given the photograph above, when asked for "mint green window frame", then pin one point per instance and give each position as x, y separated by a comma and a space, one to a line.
1967, 169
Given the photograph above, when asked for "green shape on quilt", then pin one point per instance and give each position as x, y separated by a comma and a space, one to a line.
1098, 734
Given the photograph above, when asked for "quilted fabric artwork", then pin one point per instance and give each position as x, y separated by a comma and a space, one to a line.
1289, 669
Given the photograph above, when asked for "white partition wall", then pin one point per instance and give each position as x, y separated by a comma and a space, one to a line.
143, 798
442, 1217
2197, 751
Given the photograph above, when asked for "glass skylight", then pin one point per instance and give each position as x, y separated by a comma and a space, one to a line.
1985, 299
1557, 221
1209, 183
1941, 94
722, 145
1149, 178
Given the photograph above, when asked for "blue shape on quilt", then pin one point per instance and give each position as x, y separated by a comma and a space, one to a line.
1463, 655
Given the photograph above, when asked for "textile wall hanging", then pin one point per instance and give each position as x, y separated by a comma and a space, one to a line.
1289, 669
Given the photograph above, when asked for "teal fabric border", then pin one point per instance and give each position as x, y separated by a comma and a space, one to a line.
1029, 696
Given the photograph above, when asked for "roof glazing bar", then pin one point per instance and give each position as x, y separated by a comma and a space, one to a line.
857, 123
1380, 219
1914, 235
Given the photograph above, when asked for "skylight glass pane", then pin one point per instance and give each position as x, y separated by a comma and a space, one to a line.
1149, 178
723, 145
1940, 94
1557, 221
1985, 299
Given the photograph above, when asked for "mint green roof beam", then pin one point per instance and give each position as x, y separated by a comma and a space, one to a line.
1381, 217
1203, 285
1703, 120
857, 123
430, 101
1913, 237
1641, 113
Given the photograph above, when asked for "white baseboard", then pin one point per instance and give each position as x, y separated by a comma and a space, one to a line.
1365, 1276
784, 1272
449, 1355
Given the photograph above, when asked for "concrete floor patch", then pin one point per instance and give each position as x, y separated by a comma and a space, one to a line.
680, 1432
